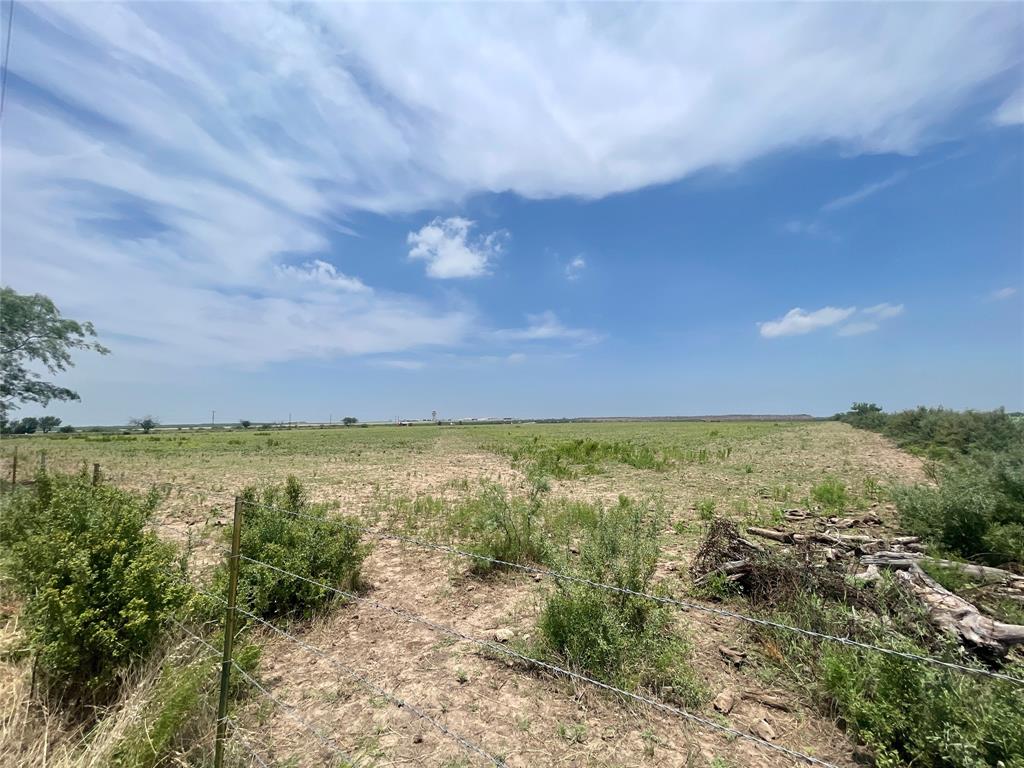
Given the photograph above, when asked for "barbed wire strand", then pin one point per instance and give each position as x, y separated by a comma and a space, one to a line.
463, 741
287, 708
236, 732
408, 616
292, 712
353, 675
687, 605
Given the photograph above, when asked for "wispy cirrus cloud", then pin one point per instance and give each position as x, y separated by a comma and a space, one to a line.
1001, 294
864, 192
546, 326
797, 321
1011, 111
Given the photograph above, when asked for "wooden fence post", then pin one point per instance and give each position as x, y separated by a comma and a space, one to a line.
95, 474
229, 637
14, 468
42, 461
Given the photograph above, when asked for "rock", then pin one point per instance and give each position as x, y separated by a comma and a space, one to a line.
538, 577
417, 739
672, 567
732, 655
763, 729
504, 634
725, 701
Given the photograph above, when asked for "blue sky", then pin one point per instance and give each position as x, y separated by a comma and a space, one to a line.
521, 210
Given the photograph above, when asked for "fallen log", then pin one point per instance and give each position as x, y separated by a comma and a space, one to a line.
770, 533
906, 559
949, 612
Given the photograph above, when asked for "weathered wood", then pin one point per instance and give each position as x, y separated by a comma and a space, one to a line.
906, 559
951, 613
770, 533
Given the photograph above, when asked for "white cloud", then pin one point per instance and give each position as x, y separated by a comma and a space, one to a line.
863, 193
546, 327
797, 321
445, 245
1011, 111
1003, 293
324, 274
884, 311
575, 268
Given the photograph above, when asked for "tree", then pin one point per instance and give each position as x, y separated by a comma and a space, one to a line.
32, 331
349, 421
66, 429
146, 423
26, 426
48, 423
245, 423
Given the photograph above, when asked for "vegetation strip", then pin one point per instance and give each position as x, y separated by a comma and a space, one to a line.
665, 600
408, 616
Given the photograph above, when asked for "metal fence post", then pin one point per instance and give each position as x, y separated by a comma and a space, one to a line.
229, 636
95, 474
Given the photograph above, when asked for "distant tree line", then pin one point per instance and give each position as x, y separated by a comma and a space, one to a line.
32, 424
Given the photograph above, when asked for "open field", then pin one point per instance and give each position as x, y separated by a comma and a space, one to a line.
408, 478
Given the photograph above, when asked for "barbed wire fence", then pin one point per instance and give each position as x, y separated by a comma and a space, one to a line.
232, 612
228, 729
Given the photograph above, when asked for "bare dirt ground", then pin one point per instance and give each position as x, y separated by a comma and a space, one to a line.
525, 717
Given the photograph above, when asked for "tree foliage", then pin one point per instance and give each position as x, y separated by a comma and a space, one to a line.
48, 423
33, 333
145, 423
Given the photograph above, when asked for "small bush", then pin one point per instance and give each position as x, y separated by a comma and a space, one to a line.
311, 546
618, 638
831, 494
99, 587
503, 527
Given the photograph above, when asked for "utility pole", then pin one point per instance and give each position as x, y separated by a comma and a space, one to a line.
213, 419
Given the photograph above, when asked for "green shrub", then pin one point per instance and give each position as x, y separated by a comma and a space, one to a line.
912, 713
831, 494
618, 638
99, 587
503, 527
282, 528
977, 511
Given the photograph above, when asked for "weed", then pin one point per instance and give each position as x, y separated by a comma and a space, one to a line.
831, 494
706, 508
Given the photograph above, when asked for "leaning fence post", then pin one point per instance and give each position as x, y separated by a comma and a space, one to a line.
229, 636
95, 474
